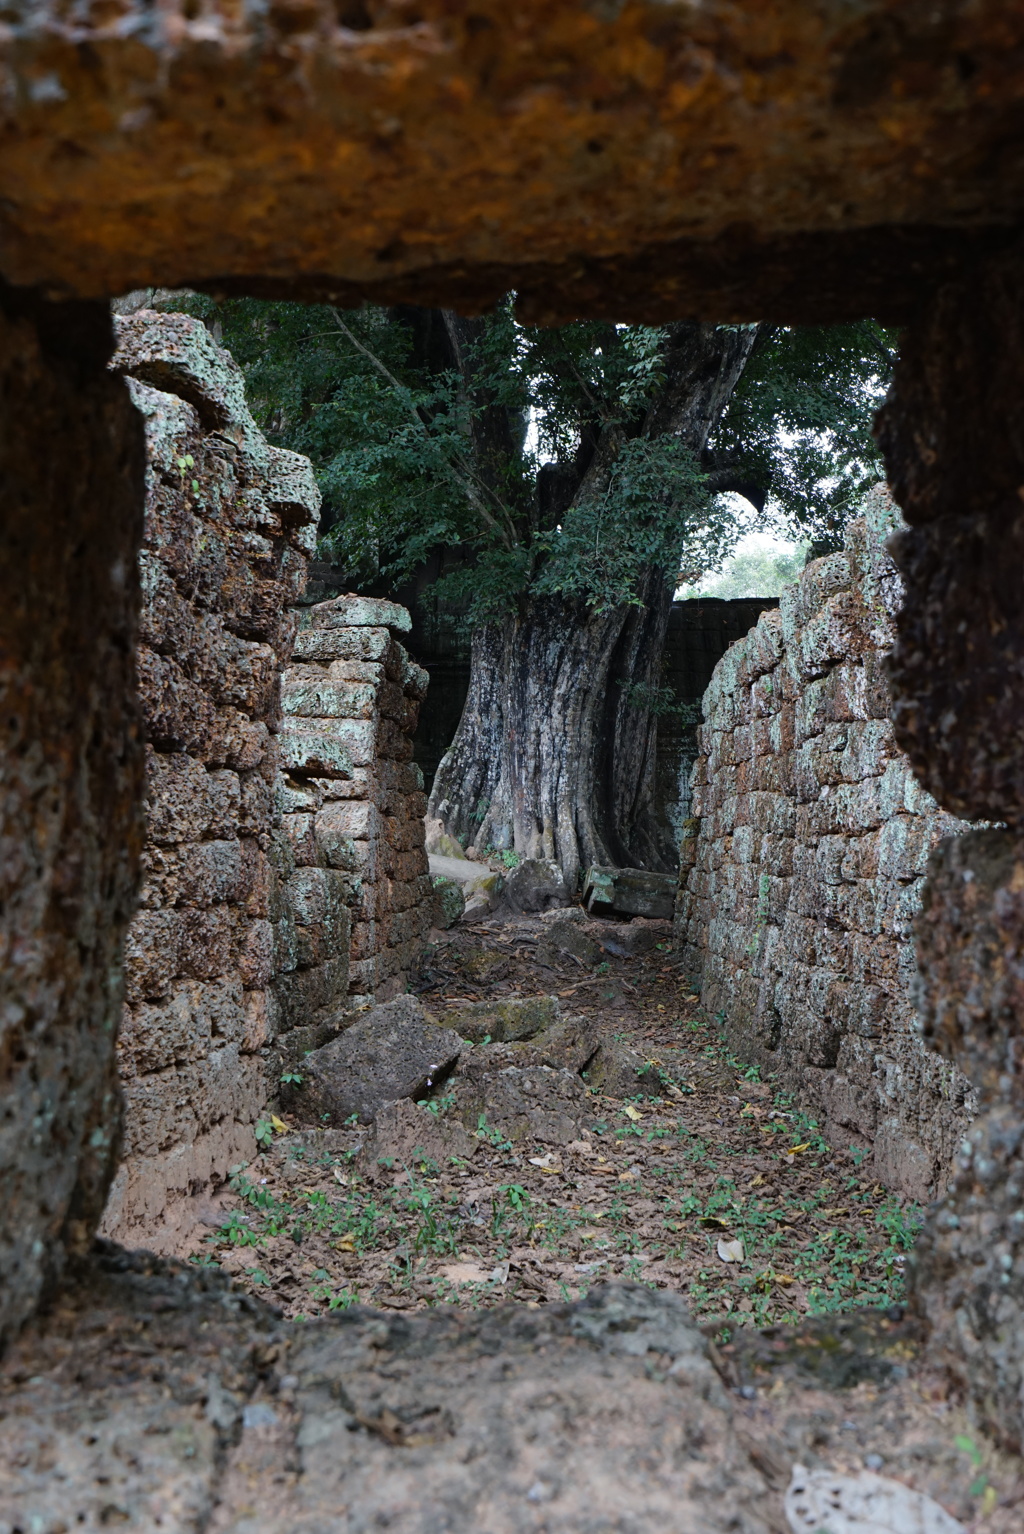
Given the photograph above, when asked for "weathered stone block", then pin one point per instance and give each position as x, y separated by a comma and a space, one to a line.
505, 1021
361, 612
393, 1051
315, 753
630, 891
369, 645
326, 699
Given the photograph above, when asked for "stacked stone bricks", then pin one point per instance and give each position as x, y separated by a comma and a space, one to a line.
802, 869
352, 683
230, 523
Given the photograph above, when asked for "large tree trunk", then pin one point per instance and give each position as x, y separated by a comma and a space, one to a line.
552, 757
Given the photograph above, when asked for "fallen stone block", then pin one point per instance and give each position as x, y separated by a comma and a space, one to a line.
617, 1071
536, 885
405, 1134
394, 1050
565, 939
483, 897
503, 1021
570, 1044
481, 886
536, 1102
629, 891
448, 903
627, 940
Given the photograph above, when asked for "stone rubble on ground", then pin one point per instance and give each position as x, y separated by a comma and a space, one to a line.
567, 937
405, 1133
615, 1070
628, 940
392, 1051
503, 1021
533, 1102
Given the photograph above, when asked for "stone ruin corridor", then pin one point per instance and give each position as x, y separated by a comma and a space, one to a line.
211, 828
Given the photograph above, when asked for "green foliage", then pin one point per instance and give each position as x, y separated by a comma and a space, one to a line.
799, 423
413, 453
655, 511
661, 702
753, 573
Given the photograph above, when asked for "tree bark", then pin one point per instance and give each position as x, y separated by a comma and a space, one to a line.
554, 756
521, 771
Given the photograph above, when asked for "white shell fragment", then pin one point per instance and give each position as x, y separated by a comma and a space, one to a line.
730, 1251
820, 1503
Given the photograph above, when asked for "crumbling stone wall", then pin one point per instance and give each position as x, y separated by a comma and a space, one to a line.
230, 523
352, 683
803, 873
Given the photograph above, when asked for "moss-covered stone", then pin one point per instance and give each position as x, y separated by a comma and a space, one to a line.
505, 1021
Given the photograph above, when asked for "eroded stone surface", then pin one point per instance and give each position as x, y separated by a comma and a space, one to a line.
352, 685
71, 476
394, 1050
952, 431
229, 524
969, 1264
118, 1411
168, 1401
953, 435
802, 875
771, 160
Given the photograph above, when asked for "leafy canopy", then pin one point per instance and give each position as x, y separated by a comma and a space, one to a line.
535, 457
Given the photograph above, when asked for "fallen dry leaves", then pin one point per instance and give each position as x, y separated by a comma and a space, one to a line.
719, 1189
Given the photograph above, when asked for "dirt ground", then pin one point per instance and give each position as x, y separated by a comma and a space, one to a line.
719, 1188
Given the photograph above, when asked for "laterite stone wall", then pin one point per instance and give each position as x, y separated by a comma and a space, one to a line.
803, 866
230, 523
283, 866
352, 682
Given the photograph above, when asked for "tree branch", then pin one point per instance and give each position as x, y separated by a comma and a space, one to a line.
462, 472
